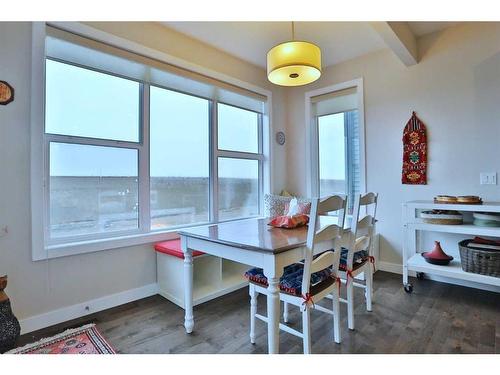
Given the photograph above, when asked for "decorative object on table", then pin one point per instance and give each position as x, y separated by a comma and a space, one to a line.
463, 199
295, 216
414, 152
479, 260
6, 93
9, 325
447, 217
83, 340
280, 138
289, 222
303, 208
277, 205
486, 219
437, 255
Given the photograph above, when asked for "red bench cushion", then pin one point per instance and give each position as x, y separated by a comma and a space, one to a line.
173, 247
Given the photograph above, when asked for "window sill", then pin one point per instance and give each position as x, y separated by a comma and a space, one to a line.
91, 246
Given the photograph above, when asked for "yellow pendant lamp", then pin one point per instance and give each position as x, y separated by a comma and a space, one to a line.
294, 63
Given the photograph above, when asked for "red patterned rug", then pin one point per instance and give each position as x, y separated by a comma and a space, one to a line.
83, 340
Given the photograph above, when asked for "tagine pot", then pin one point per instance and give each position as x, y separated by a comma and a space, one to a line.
9, 325
437, 255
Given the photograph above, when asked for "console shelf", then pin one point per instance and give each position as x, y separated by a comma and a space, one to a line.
412, 226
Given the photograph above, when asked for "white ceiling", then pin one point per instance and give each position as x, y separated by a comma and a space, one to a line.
424, 28
250, 41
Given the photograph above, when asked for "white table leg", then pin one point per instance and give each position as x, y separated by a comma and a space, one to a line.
188, 286
273, 315
273, 274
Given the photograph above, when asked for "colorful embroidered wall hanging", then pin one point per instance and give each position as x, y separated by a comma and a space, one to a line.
414, 152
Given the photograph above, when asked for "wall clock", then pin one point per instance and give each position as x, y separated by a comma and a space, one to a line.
280, 138
6, 93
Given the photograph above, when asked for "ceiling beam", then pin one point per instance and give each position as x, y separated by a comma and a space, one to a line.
400, 39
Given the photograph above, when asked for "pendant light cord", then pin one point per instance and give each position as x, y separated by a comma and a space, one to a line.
293, 31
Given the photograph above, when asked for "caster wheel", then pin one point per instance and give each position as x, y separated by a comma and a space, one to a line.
420, 275
408, 288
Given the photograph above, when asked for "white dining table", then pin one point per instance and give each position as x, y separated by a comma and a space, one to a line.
251, 242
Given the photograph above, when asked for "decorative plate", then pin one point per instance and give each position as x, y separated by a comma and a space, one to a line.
442, 217
6, 93
280, 138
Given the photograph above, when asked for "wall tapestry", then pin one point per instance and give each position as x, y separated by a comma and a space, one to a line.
414, 152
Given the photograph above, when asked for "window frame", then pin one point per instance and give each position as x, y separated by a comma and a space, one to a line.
45, 248
312, 136
142, 153
231, 154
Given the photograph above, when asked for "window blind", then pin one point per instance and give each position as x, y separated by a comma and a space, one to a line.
335, 102
79, 50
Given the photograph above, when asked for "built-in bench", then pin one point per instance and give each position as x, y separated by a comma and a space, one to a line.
212, 276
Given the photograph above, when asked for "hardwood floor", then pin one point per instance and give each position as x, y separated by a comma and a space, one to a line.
436, 318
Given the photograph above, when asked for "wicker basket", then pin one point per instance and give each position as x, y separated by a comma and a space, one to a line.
481, 261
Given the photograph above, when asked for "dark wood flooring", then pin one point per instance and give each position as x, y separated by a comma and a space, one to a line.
436, 318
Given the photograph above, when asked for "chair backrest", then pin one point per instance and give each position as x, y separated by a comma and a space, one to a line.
323, 236
362, 230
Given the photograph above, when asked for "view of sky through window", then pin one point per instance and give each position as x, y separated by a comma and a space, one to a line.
86, 103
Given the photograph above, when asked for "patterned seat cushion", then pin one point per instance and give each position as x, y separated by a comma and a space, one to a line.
291, 281
360, 258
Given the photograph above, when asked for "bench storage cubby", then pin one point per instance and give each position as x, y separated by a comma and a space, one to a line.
212, 276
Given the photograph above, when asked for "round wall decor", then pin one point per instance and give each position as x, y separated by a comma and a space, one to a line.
6, 93
280, 138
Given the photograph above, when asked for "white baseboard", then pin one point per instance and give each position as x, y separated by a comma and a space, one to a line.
390, 267
89, 307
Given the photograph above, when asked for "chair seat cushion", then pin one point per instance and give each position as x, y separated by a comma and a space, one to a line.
291, 281
360, 258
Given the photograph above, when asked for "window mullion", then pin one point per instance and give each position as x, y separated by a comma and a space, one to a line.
91, 141
46, 190
214, 174
260, 130
144, 169
240, 155
315, 157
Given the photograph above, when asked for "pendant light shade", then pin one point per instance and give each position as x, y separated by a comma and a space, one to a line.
294, 63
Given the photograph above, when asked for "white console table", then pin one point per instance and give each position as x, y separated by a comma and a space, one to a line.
413, 225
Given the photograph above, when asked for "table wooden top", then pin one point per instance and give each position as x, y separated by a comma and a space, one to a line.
252, 234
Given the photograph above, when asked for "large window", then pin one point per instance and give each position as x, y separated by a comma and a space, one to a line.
337, 152
238, 169
179, 161
92, 126
130, 156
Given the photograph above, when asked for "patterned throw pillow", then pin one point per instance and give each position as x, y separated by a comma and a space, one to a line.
277, 205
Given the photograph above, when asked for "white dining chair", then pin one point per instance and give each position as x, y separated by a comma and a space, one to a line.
357, 256
315, 278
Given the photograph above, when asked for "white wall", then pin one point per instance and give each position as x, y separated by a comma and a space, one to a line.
40, 287
455, 90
